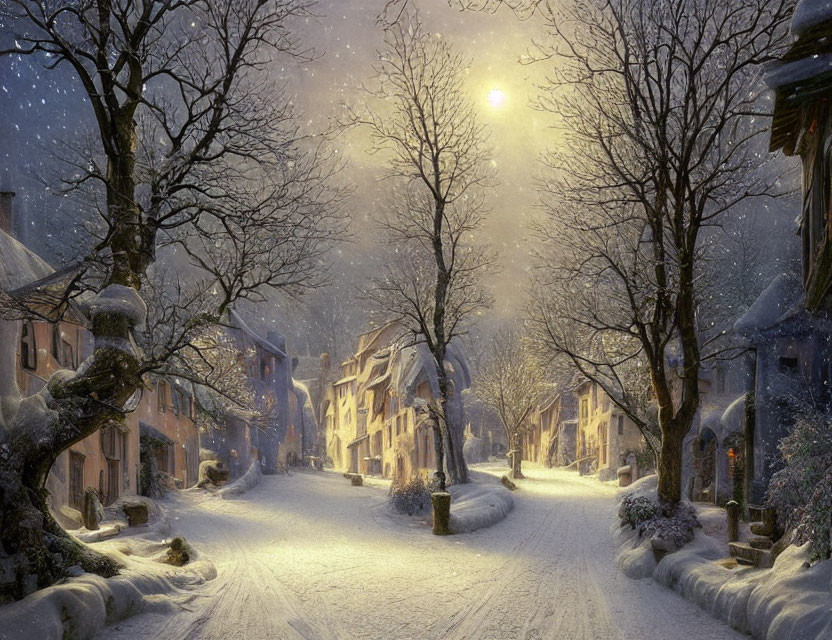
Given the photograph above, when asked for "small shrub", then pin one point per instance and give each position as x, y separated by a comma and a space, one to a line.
675, 524
636, 509
410, 497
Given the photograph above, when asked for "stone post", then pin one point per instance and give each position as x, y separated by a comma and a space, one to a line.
732, 509
441, 512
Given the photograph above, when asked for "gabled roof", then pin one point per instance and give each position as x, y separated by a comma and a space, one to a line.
256, 338
809, 14
19, 266
779, 301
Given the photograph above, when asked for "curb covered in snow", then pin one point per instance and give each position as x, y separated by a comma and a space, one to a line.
790, 601
476, 506
81, 607
245, 482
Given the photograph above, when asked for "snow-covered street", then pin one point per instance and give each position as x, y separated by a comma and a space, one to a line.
309, 556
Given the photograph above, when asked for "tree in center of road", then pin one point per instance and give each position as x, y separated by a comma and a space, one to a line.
429, 280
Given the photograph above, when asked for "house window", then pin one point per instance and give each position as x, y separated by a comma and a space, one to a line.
112, 443
160, 396
28, 348
57, 351
68, 355
76, 480
621, 425
788, 364
389, 435
584, 408
398, 425
125, 473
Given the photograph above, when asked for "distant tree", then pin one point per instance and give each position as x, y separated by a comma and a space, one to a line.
659, 107
196, 156
512, 382
421, 120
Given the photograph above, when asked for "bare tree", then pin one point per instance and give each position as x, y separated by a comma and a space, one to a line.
197, 155
512, 382
663, 134
419, 117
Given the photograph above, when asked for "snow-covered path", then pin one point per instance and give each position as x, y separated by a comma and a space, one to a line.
309, 556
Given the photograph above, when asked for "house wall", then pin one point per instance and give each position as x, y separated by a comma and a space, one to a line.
604, 433
73, 345
175, 419
388, 436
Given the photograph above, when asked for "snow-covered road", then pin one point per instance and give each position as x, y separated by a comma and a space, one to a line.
309, 556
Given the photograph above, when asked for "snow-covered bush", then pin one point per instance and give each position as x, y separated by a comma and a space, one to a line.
636, 509
410, 497
674, 524
802, 490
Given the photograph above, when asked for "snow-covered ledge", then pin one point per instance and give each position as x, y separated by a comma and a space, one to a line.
790, 601
117, 298
477, 506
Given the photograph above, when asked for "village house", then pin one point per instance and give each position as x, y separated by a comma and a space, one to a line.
749, 403
289, 423
605, 437
551, 439
377, 417
111, 460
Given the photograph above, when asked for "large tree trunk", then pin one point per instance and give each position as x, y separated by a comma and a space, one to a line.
517, 456
454, 462
74, 405
670, 467
438, 450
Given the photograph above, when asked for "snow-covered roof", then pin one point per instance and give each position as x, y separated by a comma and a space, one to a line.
414, 364
801, 70
258, 339
18, 265
810, 13
777, 301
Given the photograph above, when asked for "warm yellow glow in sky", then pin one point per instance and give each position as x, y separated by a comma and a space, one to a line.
496, 98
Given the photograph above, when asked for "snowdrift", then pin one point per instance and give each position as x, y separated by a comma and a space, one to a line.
245, 482
82, 606
790, 601
476, 506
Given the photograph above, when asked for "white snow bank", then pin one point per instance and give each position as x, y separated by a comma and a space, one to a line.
477, 506
82, 606
791, 601
245, 482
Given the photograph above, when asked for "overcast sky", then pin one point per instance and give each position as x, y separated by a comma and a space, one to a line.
40, 110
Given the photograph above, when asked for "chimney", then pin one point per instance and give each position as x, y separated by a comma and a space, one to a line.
7, 212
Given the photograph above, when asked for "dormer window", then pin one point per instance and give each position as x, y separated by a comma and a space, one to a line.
28, 348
